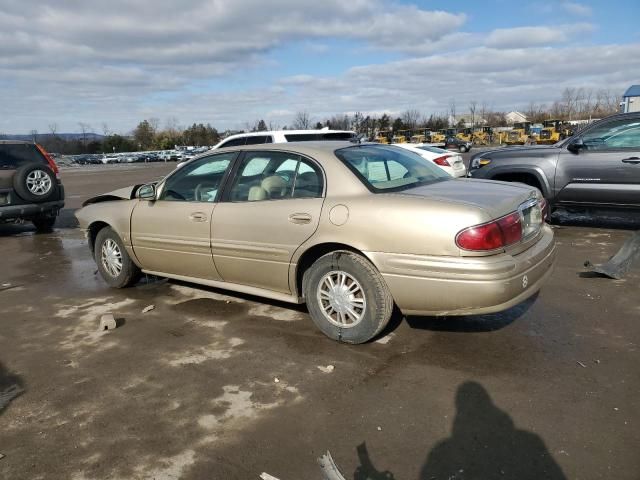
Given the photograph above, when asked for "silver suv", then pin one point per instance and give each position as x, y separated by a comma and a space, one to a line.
30, 189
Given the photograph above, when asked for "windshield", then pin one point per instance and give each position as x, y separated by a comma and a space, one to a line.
385, 168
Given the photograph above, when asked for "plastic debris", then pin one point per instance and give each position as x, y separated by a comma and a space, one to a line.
107, 322
1, 456
266, 476
329, 469
276, 380
379, 429
581, 364
620, 264
327, 369
148, 308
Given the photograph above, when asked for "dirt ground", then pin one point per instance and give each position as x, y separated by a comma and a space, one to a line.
210, 385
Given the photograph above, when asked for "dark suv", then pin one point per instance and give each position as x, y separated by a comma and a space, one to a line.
29, 185
597, 167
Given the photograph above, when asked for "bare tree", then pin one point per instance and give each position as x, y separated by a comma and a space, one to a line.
34, 136
410, 118
84, 129
452, 111
473, 105
301, 121
53, 129
105, 129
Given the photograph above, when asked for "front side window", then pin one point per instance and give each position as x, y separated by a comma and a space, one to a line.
386, 168
275, 176
258, 139
619, 134
198, 181
236, 142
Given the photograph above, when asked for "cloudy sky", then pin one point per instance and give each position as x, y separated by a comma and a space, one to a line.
229, 62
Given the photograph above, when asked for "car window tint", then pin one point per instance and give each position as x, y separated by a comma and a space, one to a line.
234, 142
275, 176
257, 139
198, 181
388, 168
17, 154
614, 135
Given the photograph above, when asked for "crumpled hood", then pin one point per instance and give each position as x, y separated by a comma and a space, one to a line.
126, 193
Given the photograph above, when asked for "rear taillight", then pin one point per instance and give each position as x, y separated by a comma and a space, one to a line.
49, 158
493, 235
442, 161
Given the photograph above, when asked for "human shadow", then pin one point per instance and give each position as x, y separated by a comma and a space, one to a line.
485, 444
366, 470
11, 387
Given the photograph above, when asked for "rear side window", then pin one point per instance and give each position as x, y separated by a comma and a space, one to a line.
310, 137
236, 142
16, 155
258, 139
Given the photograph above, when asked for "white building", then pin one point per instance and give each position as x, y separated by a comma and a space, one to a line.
631, 100
515, 116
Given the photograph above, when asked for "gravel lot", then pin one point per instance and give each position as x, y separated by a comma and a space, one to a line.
215, 386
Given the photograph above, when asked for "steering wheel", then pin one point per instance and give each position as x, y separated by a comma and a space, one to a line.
202, 190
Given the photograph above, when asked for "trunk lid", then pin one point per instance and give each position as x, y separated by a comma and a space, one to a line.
495, 198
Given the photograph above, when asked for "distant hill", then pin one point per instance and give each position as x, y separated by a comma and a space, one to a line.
90, 136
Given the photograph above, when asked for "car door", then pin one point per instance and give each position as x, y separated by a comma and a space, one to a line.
605, 168
271, 207
172, 234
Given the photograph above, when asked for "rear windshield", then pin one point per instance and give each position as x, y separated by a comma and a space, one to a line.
310, 137
428, 148
14, 155
384, 168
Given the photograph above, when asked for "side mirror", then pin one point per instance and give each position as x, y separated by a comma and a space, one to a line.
576, 145
147, 192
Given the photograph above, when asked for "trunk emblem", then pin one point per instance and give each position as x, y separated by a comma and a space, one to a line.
525, 281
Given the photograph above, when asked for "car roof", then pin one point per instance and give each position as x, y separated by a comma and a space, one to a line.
285, 132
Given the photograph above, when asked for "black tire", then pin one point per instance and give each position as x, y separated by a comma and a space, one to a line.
31, 192
44, 224
378, 301
129, 273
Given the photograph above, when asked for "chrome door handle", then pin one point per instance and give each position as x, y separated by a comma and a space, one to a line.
198, 217
300, 218
631, 160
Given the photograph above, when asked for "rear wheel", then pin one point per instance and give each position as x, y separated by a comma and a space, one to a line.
35, 182
114, 264
347, 298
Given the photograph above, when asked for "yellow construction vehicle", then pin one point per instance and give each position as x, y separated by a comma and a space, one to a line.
483, 136
550, 132
465, 134
383, 136
399, 139
519, 134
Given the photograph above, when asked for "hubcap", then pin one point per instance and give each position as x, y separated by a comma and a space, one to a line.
38, 182
341, 299
111, 258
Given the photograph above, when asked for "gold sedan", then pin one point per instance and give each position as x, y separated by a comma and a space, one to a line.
349, 229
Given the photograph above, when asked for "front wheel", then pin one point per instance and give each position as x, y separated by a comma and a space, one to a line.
347, 298
114, 264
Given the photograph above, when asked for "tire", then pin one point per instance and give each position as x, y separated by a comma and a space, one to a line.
35, 182
128, 273
371, 292
44, 224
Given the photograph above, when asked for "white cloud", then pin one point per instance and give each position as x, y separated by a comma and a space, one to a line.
577, 9
536, 36
122, 61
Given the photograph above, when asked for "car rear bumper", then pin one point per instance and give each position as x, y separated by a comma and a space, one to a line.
424, 285
29, 210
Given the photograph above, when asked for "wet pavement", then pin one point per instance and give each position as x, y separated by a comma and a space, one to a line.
215, 386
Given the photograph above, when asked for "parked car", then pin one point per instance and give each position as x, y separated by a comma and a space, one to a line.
448, 161
30, 189
599, 167
453, 143
110, 159
350, 229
